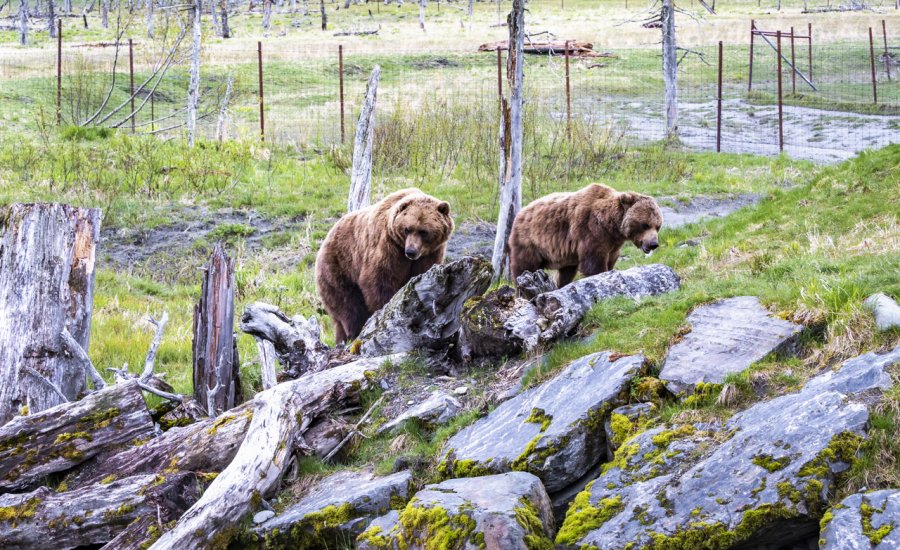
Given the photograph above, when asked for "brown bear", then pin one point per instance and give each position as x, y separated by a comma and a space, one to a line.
582, 231
371, 253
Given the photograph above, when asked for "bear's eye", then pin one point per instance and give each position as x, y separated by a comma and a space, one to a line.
424, 234
646, 226
407, 230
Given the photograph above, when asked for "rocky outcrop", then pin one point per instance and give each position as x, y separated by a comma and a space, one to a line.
439, 408
763, 477
554, 431
885, 310
509, 511
862, 522
726, 337
340, 507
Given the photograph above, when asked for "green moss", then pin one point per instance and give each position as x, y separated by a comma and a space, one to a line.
874, 535
14, 514
66, 437
826, 519
842, 448
461, 468
664, 438
583, 517
528, 517
433, 528
100, 419
373, 537
621, 456
398, 502
716, 536
227, 419
108, 479
622, 427
315, 530
771, 464
538, 416
119, 512
704, 393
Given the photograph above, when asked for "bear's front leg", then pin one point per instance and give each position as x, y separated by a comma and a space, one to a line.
592, 260
377, 289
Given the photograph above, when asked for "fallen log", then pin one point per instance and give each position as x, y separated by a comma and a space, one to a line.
297, 340
43, 519
577, 48
424, 314
357, 33
280, 415
47, 256
59, 438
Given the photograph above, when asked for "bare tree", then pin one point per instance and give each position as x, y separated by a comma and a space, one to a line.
471, 8
51, 18
104, 13
267, 14
422, 5
670, 67
361, 173
223, 110
67, 6
150, 5
194, 85
510, 140
324, 17
23, 22
226, 30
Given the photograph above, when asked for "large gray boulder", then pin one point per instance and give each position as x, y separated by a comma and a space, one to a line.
885, 310
762, 478
554, 431
439, 408
340, 507
863, 521
726, 337
507, 511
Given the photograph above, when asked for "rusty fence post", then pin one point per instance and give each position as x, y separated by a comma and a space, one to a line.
568, 96
793, 66
131, 75
872, 61
780, 106
809, 34
750, 76
59, 72
887, 58
719, 105
262, 105
341, 79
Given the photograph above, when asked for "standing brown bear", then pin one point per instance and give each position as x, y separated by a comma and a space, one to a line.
582, 231
371, 253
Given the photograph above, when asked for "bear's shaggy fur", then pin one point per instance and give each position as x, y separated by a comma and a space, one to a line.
582, 231
370, 254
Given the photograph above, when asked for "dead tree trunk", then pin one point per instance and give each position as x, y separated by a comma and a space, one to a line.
217, 379
226, 30
193, 100
150, 29
51, 18
23, 22
104, 13
510, 141
280, 416
296, 340
46, 286
223, 111
670, 68
64, 436
324, 17
267, 14
361, 173
422, 5
95, 514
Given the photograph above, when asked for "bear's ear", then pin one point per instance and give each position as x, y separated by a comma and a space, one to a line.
402, 205
444, 208
628, 198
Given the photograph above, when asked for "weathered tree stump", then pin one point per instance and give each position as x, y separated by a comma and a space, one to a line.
424, 314
297, 340
46, 285
55, 440
483, 332
361, 171
43, 519
217, 378
532, 283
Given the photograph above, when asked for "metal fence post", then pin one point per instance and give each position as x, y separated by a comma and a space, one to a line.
568, 96
780, 110
719, 105
341, 78
887, 59
793, 65
262, 109
59, 72
750, 76
131, 75
872, 61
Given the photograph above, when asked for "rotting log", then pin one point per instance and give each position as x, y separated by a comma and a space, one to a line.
43, 519
577, 48
280, 415
207, 446
47, 256
59, 438
217, 379
361, 171
297, 340
423, 316
482, 329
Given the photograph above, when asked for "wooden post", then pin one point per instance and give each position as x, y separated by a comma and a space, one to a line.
568, 96
262, 103
131, 74
750, 76
361, 172
793, 65
152, 112
780, 106
887, 59
59, 72
719, 105
341, 78
670, 67
47, 258
872, 62
499, 76
217, 380
809, 34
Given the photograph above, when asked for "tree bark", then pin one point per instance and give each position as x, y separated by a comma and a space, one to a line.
104, 13
55, 440
94, 514
223, 111
226, 30
422, 5
297, 341
193, 100
217, 378
280, 416
150, 23
510, 141
361, 172
51, 18
267, 13
670, 68
47, 256
23, 22
324, 17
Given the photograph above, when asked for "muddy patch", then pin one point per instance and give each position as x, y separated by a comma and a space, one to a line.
677, 212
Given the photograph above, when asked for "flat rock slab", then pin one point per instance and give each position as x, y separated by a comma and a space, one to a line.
500, 512
762, 478
554, 431
726, 337
439, 408
340, 507
864, 521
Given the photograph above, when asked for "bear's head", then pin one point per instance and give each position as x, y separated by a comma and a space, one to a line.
641, 221
420, 224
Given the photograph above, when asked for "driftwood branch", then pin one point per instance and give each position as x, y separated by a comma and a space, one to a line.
296, 340
72, 346
154, 346
355, 429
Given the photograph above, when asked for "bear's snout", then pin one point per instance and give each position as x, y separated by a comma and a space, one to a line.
411, 253
650, 245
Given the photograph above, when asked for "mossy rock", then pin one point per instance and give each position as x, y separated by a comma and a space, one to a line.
863, 520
